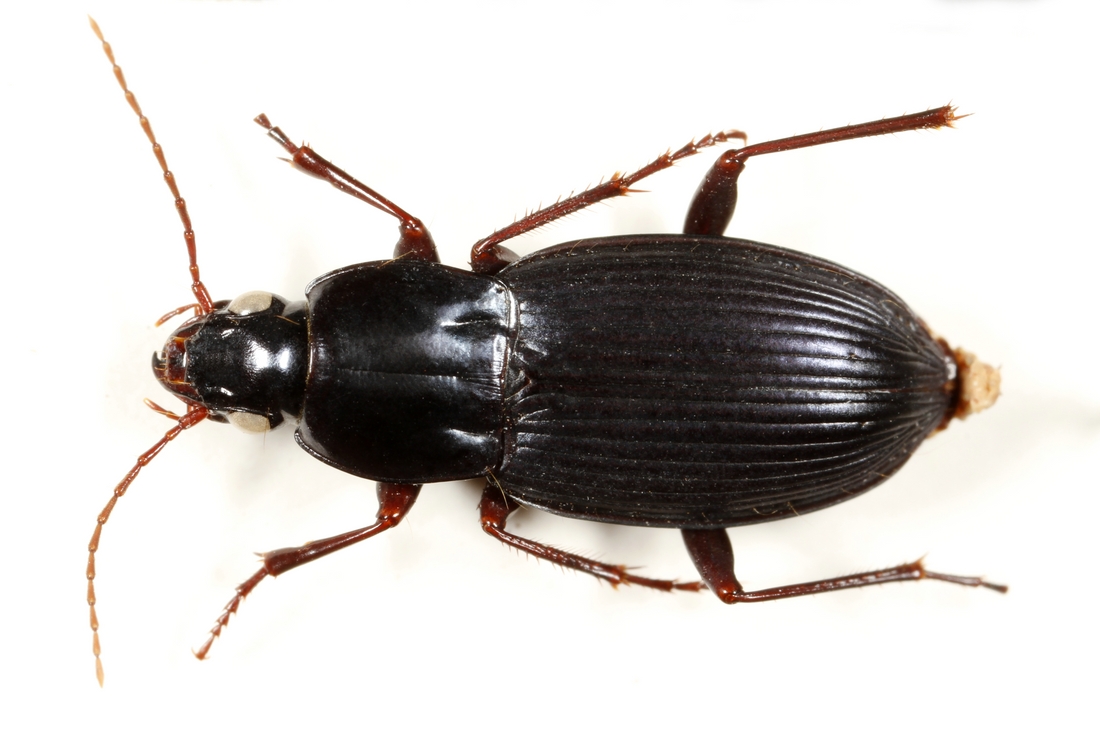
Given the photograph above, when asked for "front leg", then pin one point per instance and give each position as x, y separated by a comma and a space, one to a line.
394, 502
415, 241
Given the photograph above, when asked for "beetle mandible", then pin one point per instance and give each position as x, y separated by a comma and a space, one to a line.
682, 380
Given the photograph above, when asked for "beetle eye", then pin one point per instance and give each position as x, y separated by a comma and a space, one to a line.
249, 422
253, 301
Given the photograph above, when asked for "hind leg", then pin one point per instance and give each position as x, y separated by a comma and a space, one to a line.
712, 554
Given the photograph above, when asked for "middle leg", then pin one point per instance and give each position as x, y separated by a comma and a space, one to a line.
495, 508
489, 257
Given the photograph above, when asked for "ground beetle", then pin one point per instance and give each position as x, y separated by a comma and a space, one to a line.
666, 380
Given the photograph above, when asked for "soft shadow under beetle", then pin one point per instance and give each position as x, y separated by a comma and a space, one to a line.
667, 380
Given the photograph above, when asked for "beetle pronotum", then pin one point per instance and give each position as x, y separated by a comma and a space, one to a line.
671, 380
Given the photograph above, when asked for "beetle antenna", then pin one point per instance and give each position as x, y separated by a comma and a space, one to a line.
205, 304
194, 415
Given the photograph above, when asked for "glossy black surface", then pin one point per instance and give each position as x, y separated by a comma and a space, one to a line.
252, 363
709, 382
664, 380
406, 366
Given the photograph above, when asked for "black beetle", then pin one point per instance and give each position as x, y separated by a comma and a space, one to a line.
678, 380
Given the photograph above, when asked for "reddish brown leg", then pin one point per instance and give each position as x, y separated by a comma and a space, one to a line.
712, 554
712, 208
495, 508
415, 242
394, 502
488, 256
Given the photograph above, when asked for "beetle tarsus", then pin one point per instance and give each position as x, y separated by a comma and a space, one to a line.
973, 581
230, 608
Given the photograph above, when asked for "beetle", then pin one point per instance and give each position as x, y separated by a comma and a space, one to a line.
687, 381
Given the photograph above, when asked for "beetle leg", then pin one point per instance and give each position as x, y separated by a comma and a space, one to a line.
712, 208
712, 554
495, 508
394, 502
488, 257
415, 242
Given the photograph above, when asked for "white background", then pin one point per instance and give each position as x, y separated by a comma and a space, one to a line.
467, 118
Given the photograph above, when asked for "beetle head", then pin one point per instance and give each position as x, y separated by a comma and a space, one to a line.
245, 361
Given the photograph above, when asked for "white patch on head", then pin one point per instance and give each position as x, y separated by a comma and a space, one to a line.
249, 421
253, 301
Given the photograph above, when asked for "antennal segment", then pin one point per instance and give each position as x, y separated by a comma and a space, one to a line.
205, 302
194, 415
